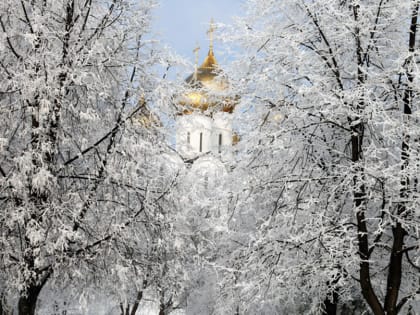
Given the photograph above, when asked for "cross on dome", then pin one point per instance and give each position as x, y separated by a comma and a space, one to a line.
210, 32
196, 50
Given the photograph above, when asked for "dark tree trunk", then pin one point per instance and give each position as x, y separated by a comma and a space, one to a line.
27, 302
359, 188
331, 302
398, 232
133, 310
138, 300
330, 305
164, 308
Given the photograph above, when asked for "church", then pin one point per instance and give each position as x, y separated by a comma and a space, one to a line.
204, 121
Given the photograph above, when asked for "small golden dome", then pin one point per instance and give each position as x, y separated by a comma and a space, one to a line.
145, 117
235, 138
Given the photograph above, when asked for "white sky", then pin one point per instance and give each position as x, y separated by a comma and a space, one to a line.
182, 24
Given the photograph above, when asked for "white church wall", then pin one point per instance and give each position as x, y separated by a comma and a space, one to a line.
222, 132
194, 135
198, 133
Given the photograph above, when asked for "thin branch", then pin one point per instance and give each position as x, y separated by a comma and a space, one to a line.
27, 17
9, 43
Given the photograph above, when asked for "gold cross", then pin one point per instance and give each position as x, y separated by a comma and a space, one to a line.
196, 50
210, 32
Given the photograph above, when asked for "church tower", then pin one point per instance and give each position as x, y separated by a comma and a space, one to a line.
204, 123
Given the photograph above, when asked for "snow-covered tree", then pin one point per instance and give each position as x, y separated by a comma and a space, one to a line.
327, 179
81, 187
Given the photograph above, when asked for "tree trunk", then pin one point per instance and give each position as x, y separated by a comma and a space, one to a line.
164, 308
27, 302
395, 265
359, 188
133, 310
330, 305
138, 299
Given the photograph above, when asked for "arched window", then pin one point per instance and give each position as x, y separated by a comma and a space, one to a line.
201, 142
220, 143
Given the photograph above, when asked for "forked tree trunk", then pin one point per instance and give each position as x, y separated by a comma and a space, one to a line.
27, 302
132, 310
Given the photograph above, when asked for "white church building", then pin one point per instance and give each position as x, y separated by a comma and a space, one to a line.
204, 123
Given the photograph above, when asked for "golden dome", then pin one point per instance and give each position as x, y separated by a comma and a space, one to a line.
206, 85
206, 74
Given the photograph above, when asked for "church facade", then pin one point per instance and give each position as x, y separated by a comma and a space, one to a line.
204, 122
